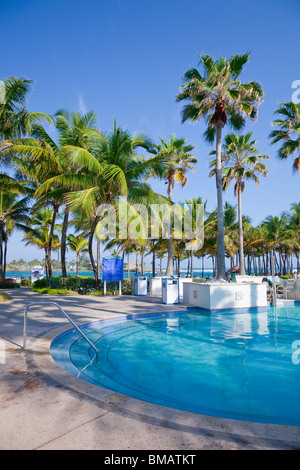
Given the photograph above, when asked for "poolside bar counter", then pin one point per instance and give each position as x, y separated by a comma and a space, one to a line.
220, 296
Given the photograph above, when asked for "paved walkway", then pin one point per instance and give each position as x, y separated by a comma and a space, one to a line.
43, 407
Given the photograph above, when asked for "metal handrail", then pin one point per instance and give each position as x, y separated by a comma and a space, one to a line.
63, 312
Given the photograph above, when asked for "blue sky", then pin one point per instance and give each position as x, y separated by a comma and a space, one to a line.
125, 59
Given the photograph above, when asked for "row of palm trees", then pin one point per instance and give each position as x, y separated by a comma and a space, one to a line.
70, 175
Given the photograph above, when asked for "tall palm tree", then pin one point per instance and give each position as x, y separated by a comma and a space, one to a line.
217, 95
42, 159
240, 154
111, 169
79, 245
13, 213
288, 132
175, 160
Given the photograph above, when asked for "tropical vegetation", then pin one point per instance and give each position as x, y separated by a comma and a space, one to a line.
56, 171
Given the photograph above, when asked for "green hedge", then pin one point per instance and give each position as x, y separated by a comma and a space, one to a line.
9, 284
81, 285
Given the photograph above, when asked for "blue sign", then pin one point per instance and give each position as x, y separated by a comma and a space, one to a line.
112, 269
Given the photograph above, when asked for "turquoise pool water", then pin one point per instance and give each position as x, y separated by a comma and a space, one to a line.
243, 366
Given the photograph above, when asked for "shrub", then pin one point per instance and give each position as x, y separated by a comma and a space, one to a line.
81, 285
40, 283
25, 282
9, 284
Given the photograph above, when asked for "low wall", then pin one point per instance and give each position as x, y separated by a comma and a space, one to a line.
216, 296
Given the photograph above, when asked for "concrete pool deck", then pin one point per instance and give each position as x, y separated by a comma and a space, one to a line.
43, 407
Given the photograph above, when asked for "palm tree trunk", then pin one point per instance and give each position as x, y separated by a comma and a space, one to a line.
46, 262
63, 248
241, 235
170, 269
213, 265
1, 253
5, 253
91, 237
188, 265
153, 264
221, 243
142, 261
77, 262
98, 256
55, 212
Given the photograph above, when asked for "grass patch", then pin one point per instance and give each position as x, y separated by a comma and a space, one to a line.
4, 297
53, 291
101, 292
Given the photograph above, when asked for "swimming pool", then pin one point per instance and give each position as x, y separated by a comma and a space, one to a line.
242, 366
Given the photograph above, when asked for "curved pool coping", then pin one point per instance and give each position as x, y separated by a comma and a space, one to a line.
245, 434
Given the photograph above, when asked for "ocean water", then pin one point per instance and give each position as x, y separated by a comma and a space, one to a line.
27, 274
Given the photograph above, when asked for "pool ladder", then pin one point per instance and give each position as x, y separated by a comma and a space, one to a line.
63, 312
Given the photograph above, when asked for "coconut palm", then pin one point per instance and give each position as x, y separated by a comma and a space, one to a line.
15, 120
13, 213
288, 132
277, 235
39, 230
175, 159
219, 97
112, 169
79, 245
194, 212
240, 154
42, 159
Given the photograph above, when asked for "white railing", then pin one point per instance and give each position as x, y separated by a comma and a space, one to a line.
63, 312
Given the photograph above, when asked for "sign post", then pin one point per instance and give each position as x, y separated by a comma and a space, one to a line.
112, 272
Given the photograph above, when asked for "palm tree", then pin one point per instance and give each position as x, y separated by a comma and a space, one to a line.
276, 235
175, 160
13, 213
79, 245
15, 120
190, 207
111, 169
243, 163
288, 132
219, 96
38, 232
42, 159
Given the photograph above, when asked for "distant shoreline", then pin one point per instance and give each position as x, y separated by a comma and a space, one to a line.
27, 273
